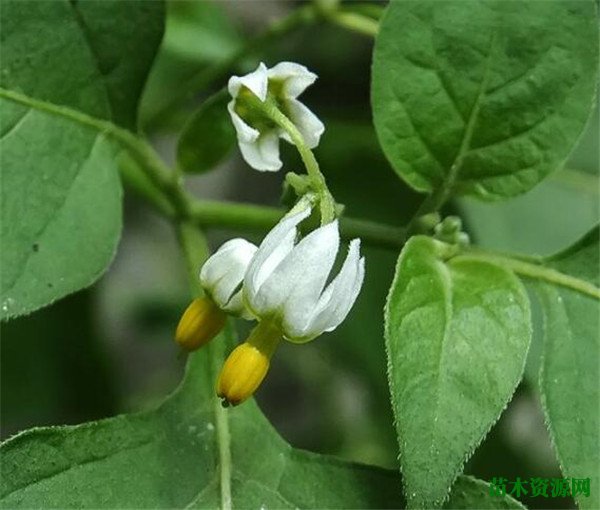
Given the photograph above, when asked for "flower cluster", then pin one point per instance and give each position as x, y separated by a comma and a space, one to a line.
258, 135
282, 284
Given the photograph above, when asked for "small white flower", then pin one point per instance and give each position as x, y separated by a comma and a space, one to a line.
259, 143
285, 281
222, 275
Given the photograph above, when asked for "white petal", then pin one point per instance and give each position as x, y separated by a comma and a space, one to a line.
224, 271
274, 248
337, 300
296, 77
257, 81
306, 121
263, 154
245, 133
294, 286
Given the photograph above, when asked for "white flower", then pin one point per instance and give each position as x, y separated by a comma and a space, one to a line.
222, 275
259, 142
285, 281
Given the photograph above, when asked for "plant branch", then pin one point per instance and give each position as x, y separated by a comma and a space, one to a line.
370, 10
271, 110
139, 149
250, 217
355, 22
195, 251
160, 187
534, 271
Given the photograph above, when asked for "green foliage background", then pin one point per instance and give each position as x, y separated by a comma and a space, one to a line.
107, 350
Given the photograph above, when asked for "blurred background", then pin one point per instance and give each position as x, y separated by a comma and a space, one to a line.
109, 349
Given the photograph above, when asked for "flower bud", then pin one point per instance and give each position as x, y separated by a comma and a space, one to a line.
200, 323
247, 365
449, 226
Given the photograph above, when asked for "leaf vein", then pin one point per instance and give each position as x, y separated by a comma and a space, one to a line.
417, 133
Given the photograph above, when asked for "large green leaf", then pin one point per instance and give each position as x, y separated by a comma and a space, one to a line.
192, 453
457, 334
483, 97
570, 373
61, 195
92, 56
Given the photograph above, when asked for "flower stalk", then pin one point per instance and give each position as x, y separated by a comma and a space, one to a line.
272, 111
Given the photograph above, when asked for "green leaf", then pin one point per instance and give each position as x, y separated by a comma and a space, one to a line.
208, 137
92, 56
457, 334
469, 492
483, 97
570, 373
192, 453
61, 194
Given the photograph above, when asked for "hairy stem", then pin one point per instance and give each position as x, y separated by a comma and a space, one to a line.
536, 271
141, 152
144, 171
250, 217
355, 22
270, 109
370, 10
195, 251
255, 218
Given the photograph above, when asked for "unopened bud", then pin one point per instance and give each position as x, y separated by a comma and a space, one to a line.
426, 223
451, 225
247, 365
200, 323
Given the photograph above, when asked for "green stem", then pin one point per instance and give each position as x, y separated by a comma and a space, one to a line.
195, 251
162, 189
535, 271
140, 150
258, 218
270, 109
355, 22
245, 217
371, 10
308, 158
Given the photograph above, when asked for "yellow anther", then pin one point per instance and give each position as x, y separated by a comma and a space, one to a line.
242, 374
200, 323
247, 365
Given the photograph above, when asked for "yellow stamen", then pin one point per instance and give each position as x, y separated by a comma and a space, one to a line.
200, 323
247, 365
